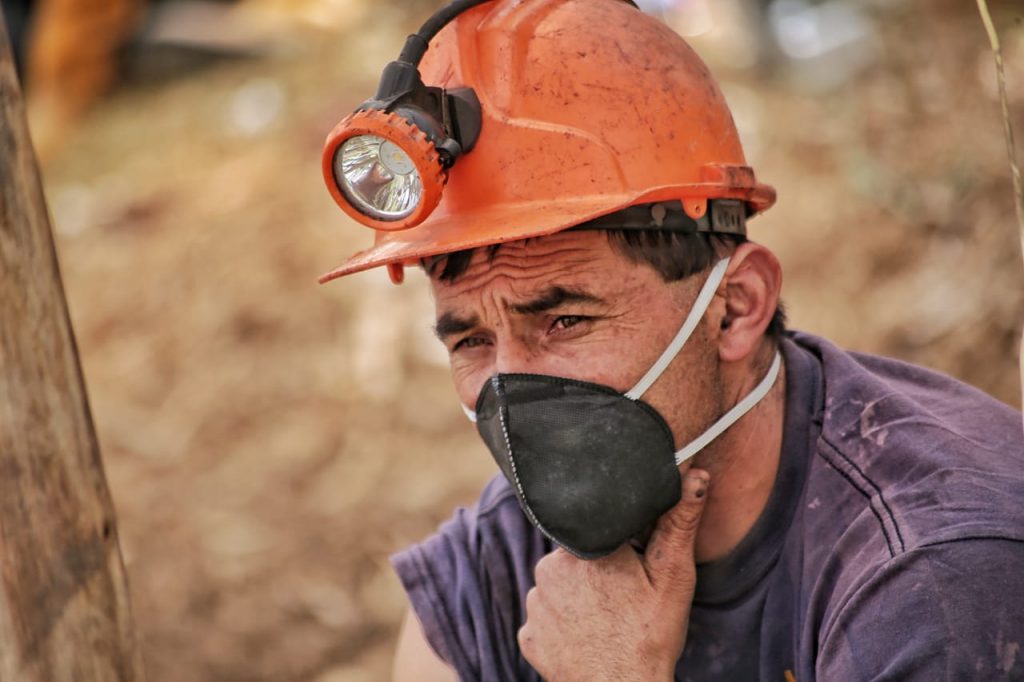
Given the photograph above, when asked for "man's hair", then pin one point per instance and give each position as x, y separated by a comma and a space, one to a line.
673, 255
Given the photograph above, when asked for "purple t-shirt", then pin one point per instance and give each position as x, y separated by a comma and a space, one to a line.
891, 547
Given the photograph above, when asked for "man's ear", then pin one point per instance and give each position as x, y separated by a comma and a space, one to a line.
751, 288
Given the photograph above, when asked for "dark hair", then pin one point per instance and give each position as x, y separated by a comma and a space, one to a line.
673, 255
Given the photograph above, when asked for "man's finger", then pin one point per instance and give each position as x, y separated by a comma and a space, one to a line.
668, 558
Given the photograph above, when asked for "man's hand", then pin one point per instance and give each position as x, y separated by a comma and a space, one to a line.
622, 617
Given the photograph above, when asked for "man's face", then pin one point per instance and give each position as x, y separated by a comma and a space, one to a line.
569, 305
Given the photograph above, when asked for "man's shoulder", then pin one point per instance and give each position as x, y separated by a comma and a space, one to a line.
863, 390
467, 584
495, 497
932, 458
495, 517
913, 503
493, 526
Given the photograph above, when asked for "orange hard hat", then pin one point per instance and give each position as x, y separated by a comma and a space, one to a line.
587, 107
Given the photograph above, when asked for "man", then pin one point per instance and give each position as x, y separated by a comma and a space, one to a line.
688, 491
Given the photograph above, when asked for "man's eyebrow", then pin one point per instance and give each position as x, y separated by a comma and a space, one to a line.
450, 324
552, 298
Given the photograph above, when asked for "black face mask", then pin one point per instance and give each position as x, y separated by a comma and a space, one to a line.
590, 466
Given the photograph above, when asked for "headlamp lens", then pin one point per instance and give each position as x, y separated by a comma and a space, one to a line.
378, 177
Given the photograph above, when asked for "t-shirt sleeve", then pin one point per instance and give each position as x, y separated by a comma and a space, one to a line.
952, 611
467, 585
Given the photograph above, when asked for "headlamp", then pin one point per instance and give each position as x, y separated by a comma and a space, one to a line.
386, 164
378, 177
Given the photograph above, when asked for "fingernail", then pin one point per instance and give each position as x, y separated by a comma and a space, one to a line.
695, 485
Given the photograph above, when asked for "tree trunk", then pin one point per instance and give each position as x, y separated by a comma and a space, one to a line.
64, 608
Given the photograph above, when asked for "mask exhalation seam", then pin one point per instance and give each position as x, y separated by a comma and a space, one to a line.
496, 383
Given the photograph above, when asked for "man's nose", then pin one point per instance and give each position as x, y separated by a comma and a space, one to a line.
513, 355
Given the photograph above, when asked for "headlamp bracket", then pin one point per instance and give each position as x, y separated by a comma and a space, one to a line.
451, 119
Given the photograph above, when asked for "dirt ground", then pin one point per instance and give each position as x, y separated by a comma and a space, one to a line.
269, 442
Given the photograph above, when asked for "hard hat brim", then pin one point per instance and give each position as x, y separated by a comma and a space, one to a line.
451, 233
447, 232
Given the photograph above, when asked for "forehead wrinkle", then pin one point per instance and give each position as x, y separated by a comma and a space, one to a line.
519, 283
525, 257
520, 271
540, 258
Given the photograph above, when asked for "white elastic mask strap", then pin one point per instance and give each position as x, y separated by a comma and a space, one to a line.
470, 414
700, 306
733, 415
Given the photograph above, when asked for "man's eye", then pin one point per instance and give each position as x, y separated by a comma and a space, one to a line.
567, 322
469, 342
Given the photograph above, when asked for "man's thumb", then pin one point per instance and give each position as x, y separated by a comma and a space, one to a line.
669, 555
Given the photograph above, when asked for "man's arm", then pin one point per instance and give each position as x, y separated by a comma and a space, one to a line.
415, 661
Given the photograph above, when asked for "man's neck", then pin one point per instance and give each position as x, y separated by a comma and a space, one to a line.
743, 464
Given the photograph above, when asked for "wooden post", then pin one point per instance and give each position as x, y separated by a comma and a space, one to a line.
64, 608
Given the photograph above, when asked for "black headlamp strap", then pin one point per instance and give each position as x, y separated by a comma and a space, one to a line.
724, 216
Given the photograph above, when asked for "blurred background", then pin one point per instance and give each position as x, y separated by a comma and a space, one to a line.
269, 442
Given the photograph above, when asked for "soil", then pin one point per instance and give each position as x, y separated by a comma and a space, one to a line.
269, 442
